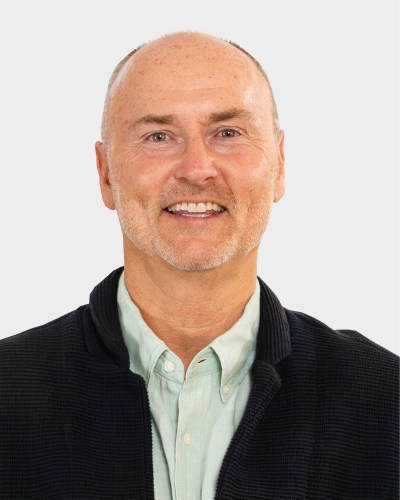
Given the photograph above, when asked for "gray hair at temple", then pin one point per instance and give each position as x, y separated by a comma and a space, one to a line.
121, 64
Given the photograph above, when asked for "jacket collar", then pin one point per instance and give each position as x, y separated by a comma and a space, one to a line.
273, 341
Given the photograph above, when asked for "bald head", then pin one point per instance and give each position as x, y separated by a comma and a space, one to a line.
177, 50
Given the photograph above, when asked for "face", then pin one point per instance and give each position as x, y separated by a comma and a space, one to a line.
191, 163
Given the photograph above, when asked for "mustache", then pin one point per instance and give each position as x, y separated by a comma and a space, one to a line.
178, 192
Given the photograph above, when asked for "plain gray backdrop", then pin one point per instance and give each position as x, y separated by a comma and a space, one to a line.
331, 249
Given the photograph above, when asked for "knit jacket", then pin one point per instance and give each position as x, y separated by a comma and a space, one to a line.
321, 421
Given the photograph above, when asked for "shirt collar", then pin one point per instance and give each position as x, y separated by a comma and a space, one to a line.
143, 345
235, 349
104, 340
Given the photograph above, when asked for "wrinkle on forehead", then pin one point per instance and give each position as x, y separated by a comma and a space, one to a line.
189, 63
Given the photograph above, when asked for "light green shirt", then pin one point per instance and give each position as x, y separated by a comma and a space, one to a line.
195, 416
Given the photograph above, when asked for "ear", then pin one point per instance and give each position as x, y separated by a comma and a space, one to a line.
280, 178
104, 175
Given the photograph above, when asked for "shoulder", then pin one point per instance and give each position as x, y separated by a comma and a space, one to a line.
344, 357
333, 341
40, 347
331, 344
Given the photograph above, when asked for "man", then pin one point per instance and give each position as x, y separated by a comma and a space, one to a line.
184, 378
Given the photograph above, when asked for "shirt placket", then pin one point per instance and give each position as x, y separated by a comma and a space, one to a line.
187, 442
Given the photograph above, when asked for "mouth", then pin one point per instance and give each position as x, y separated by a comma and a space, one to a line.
197, 210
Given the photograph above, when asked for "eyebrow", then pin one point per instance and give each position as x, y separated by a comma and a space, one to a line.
213, 117
158, 119
229, 114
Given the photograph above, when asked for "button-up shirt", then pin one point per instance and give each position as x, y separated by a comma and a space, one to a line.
194, 415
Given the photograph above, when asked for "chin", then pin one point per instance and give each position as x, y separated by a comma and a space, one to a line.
195, 265
196, 256
196, 260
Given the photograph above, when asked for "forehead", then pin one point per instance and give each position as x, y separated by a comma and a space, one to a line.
189, 70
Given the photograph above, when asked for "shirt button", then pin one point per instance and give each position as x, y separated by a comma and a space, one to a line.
226, 389
169, 366
187, 439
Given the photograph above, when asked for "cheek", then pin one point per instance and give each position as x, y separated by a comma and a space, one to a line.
139, 176
263, 176
252, 181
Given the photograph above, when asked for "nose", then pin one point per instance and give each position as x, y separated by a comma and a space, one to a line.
196, 164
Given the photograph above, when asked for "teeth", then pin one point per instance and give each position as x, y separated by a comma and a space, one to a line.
195, 207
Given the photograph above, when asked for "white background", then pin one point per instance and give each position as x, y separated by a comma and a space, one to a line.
332, 245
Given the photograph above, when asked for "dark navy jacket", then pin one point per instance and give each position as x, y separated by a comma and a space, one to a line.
321, 421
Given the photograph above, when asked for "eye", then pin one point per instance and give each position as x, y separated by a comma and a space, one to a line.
158, 137
228, 133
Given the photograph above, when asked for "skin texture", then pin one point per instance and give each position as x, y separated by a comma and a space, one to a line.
190, 119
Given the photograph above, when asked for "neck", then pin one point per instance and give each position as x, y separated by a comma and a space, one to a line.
189, 309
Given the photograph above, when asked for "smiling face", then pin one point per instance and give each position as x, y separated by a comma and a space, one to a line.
191, 161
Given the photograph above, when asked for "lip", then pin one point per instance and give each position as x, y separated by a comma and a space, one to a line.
194, 218
191, 200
